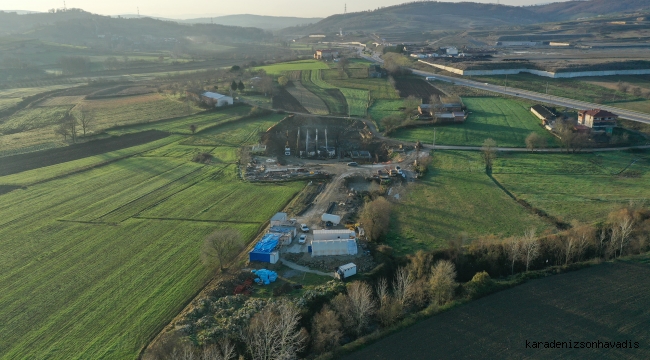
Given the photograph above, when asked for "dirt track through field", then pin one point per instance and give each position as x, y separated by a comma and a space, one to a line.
609, 302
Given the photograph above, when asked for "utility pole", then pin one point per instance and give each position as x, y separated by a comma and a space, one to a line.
506, 87
434, 139
547, 88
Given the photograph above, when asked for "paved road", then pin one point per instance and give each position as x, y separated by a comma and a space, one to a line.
535, 96
530, 95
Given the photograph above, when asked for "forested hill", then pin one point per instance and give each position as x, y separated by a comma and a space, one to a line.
77, 27
258, 21
433, 15
579, 9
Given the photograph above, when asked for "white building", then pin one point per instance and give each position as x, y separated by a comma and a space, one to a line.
452, 51
218, 100
278, 219
334, 242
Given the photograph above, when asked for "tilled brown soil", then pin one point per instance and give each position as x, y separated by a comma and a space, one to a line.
416, 87
607, 303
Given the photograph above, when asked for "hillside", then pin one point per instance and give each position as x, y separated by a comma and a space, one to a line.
77, 27
258, 21
432, 15
579, 9
425, 16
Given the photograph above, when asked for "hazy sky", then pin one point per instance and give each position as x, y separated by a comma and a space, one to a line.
201, 8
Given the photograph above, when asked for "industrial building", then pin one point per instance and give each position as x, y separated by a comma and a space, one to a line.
334, 242
279, 219
266, 249
287, 233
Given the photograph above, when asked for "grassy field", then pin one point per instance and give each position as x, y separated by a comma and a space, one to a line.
383, 108
606, 303
33, 118
7, 103
506, 121
379, 88
310, 101
135, 109
357, 100
331, 96
456, 200
584, 187
569, 88
203, 121
280, 68
94, 264
234, 134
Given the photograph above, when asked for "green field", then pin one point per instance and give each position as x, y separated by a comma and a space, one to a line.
569, 88
357, 100
33, 118
332, 96
379, 88
584, 187
506, 121
280, 68
456, 200
383, 108
7, 103
203, 121
93, 264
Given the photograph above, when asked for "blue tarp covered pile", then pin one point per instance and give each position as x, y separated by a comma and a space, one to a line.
267, 244
265, 276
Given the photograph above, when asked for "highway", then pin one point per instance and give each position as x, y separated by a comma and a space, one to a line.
530, 95
539, 97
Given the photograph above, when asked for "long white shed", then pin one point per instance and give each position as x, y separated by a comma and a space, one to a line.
333, 247
334, 234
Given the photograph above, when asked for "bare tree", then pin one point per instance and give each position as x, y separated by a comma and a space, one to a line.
625, 226
443, 281
221, 245
535, 141
63, 130
489, 154
362, 304
274, 334
584, 236
326, 330
84, 119
382, 291
602, 241
513, 249
375, 217
420, 265
530, 247
411, 104
223, 350
569, 248
403, 286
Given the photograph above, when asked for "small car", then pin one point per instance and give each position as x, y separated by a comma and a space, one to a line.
302, 239
304, 228
353, 164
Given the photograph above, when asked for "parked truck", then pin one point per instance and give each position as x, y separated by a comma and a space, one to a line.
345, 271
334, 219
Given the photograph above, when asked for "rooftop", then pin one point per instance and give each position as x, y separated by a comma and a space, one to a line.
213, 95
267, 244
598, 113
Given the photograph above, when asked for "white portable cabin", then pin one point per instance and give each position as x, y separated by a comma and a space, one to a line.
334, 234
278, 219
345, 271
333, 247
334, 219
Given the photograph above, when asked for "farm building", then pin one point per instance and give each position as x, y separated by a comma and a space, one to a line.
266, 249
457, 116
326, 54
287, 233
216, 100
425, 109
598, 120
333, 247
279, 219
544, 114
334, 234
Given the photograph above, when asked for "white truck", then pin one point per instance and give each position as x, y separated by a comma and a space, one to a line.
431, 78
345, 271
334, 219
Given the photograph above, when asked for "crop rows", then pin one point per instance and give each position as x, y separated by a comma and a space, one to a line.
379, 88
278, 69
222, 198
332, 96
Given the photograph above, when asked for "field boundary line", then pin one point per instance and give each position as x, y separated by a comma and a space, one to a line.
196, 220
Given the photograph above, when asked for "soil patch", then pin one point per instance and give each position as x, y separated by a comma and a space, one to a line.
416, 87
606, 303
18, 163
285, 101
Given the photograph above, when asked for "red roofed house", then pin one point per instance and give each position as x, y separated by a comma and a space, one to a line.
598, 120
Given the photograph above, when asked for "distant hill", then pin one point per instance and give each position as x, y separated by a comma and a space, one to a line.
425, 16
258, 21
577, 9
433, 15
78, 27
21, 12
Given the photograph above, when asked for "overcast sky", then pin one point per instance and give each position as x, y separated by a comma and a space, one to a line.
202, 8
